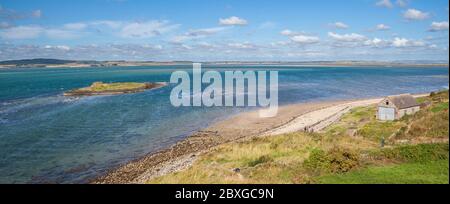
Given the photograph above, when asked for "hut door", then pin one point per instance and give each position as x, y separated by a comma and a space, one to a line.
386, 113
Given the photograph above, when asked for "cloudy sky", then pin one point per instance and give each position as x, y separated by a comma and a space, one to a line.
205, 30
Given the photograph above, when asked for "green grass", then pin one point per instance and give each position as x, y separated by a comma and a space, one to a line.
99, 86
260, 160
422, 163
428, 123
335, 160
432, 172
422, 99
376, 130
414, 153
364, 123
440, 107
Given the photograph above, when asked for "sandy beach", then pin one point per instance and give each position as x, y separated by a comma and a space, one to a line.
313, 116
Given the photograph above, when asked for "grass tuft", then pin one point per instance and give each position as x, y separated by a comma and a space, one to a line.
260, 160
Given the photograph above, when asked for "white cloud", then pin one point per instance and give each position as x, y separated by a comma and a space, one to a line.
233, 20
403, 42
304, 39
417, 43
340, 25
36, 13
286, 32
206, 45
300, 38
402, 3
108, 23
187, 47
400, 42
307, 54
414, 14
126, 29
60, 47
267, 25
353, 37
146, 29
21, 32
382, 27
156, 47
245, 45
4, 25
376, 42
180, 38
13, 15
279, 43
385, 3
205, 31
32, 32
61, 34
439, 26
196, 34
94, 52
75, 26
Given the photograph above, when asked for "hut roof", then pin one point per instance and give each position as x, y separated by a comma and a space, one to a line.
403, 101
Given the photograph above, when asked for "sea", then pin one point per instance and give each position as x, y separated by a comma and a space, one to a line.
46, 137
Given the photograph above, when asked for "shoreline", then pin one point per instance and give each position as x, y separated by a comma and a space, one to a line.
87, 66
311, 116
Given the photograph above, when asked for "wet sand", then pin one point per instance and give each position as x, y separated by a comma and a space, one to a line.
291, 118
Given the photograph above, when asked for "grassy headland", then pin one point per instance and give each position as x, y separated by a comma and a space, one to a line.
416, 151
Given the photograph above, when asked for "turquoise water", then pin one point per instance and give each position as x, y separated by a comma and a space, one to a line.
47, 138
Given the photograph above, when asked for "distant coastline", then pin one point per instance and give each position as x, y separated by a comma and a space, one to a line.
58, 63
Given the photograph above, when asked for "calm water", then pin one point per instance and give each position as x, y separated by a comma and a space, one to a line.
46, 137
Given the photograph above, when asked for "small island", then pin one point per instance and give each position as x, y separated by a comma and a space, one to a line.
100, 88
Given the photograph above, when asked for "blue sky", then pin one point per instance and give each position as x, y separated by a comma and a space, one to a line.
205, 30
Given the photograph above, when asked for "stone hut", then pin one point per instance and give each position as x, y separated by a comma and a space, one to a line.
395, 107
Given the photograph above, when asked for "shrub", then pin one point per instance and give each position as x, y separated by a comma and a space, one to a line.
440, 107
273, 145
401, 132
431, 125
439, 96
376, 130
415, 153
342, 160
336, 160
260, 160
317, 160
